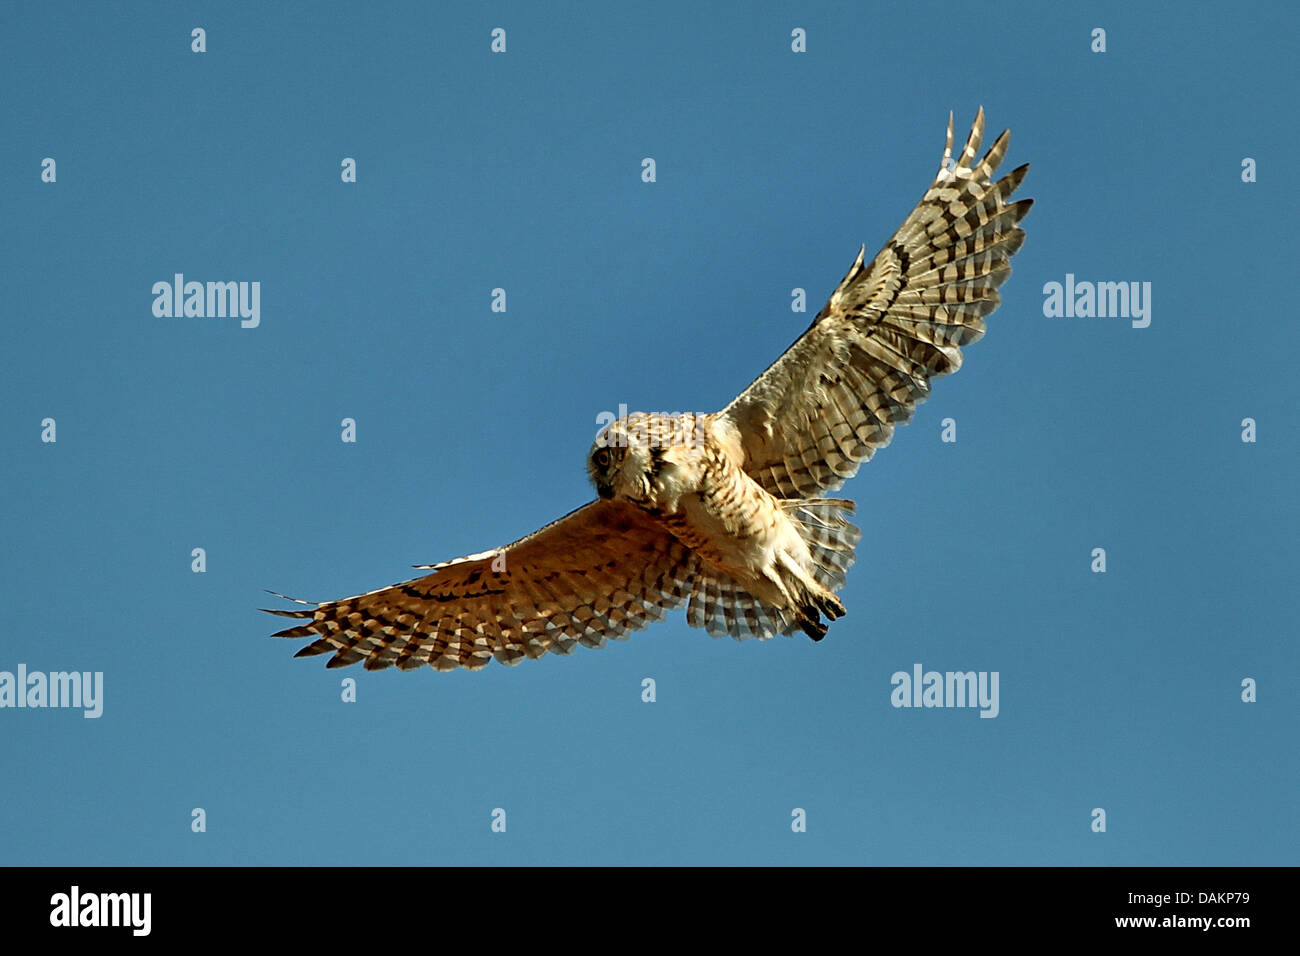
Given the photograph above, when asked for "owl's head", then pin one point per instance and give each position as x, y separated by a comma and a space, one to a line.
624, 459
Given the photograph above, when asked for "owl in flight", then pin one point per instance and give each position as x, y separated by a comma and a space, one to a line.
724, 513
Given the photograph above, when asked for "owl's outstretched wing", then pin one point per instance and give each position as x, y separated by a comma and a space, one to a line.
834, 397
600, 572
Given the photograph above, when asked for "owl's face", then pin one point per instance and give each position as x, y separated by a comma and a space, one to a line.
620, 471
623, 463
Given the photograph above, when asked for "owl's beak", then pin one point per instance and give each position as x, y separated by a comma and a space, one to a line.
604, 489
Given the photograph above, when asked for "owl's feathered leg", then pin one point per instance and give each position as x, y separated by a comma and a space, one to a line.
825, 529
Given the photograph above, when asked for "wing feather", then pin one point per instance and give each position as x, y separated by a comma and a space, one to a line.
600, 572
835, 396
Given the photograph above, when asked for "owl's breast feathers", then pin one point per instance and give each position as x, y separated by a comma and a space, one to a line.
702, 496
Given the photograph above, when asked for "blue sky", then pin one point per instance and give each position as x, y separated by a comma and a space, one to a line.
522, 171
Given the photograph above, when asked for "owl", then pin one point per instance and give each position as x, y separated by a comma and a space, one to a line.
723, 513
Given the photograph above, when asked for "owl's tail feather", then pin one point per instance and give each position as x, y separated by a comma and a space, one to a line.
722, 606
830, 536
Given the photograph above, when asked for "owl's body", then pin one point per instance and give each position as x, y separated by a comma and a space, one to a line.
685, 472
723, 513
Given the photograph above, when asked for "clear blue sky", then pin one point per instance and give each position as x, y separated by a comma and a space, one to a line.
475, 171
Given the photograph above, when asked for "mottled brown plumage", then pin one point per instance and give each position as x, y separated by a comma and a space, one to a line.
723, 512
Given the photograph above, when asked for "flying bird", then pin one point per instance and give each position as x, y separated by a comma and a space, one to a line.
725, 513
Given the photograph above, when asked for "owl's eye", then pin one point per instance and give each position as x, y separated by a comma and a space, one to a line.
602, 457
